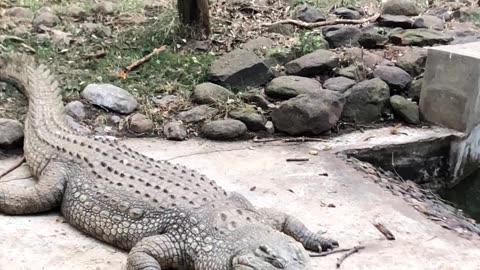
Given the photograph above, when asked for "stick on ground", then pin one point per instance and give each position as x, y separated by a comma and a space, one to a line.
348, 254
141, 61
381, 228
13, 167
324, 23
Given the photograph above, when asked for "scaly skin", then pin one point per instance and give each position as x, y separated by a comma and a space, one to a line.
167, 216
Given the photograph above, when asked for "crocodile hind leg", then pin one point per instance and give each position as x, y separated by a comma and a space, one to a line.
44, 195
155, 253
295, 228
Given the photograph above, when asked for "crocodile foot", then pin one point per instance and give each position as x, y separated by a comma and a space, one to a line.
319, 244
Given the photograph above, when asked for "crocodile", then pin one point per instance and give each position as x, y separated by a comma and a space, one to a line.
165, 215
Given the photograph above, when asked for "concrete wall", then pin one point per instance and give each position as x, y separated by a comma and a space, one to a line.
451, 98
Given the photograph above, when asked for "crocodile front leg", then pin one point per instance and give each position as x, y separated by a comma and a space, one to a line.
295, 228
155, 253
44, 195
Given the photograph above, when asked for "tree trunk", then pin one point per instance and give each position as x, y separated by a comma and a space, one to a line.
195, 14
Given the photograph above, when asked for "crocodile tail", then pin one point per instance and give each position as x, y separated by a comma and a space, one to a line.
30, 78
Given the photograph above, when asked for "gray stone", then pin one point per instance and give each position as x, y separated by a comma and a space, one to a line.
309, 14
420, 37
11, 133
76, 12
415, 89
365, 57
429, 21
340, 36
347, 13
270, 127
393, 21
255, 97
352, 72
175, 130
373, 38
47, 19
313, 113
105, 8
253, 120
395, 77
401, 7
97, 29
197, 114
165, 100
224, 129
282, 29
413, 60
75, 109
61, 39
140, 123
339, 84
19, 13
317, 62
286, 87
405, 109
111, 97
365, 101
115, 119
260, 44
209, 93
240, 68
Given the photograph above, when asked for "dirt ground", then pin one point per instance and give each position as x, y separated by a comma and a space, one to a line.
43, 241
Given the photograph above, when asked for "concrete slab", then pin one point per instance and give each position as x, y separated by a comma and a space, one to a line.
44, 242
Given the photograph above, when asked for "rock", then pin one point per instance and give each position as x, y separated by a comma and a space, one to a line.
209, 93
253, 120
313, 113
339, 36
19, 13
77, 127
351, 72
165, 100
140, 123
75, 109
286, 87
367, 58
61, 39
115, 119
105, 8
339, 84
373, 38
317, 62
346, 13
309, 14
96, 28
260, 44
197, 114
256, 98
269, 127
224, 129
401, 7
430, 22
365, 101
395, 77
395, 21
415, 89
110, 97
76, 12
20, 30
240, 68
413, 60
405, 109
11, 133
420, 37
45, 19
175, 130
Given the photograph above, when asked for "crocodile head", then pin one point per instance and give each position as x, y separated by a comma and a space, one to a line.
265, 249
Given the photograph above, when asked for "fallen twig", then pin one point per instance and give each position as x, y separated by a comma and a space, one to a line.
141, 61
299, 139
17, 164
324, 23
348, 254
326, 253
381, 228
297, 159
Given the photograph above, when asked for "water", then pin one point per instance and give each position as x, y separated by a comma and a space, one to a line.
466, 195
